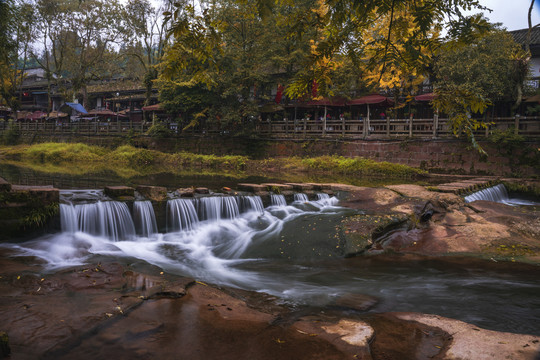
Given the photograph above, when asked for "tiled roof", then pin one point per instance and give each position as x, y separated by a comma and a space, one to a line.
520, 36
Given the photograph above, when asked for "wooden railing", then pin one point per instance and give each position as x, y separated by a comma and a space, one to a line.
528, 127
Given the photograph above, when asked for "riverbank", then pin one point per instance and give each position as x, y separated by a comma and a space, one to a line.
79, 158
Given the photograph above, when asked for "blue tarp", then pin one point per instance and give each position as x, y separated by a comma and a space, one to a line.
77, 107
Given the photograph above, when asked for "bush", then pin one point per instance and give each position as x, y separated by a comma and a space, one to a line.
159, 130
12, 135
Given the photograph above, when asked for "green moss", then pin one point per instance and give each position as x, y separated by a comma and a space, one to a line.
361, 166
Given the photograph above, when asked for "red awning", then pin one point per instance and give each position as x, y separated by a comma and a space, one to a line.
371, 99
425, 97
155, 107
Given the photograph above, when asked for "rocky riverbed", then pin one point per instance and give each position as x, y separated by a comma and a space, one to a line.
114, 310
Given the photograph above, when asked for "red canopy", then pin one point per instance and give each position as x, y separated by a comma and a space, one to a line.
155, 107
371, 99
425, 97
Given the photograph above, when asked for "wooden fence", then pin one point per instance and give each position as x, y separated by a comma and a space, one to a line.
529, 127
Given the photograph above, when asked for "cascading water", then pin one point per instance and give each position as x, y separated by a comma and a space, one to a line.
301, 197
497, 193
144, 218
181, 214
293, 252
110, 219
278, 200
250, 203
217, 208
322, 196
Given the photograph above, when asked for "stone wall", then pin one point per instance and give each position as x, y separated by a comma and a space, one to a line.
26, 210
446, 156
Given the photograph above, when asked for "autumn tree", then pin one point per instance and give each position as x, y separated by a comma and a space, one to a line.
470, 77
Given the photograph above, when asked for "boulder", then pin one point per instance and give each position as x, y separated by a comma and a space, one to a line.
202, 190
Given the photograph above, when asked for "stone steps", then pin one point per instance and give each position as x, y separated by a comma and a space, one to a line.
465, 186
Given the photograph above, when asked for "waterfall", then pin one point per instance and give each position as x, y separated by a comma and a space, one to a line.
68, 218
144, 218
217, 208
104, 218
278, 200
250, 203
301, 197
181, 214
496, 193
322, 196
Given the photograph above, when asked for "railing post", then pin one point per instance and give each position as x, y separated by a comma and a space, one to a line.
436, 124
516, 124
410, 124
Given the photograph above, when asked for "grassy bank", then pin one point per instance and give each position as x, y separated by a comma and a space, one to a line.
81, 156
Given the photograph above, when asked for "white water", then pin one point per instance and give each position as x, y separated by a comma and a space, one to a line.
498, 194
301, 197
144, 218
278, 200
208, 238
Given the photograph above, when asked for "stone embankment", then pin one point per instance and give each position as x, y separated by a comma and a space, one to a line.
26, 209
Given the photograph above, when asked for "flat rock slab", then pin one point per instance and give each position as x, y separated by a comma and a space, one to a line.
471, 342
420, 192
319, 187
301, 186
277, 187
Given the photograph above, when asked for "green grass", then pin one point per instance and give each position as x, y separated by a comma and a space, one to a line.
81, 156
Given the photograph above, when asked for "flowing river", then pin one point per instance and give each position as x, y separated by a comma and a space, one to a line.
293, 251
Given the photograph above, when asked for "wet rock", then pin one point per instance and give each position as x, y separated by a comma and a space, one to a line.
374, 200
398, 339
301, 187
186, 192
361, 302
443, 200
202, 190
277, 188
351, 337
320, 187
153, 193
471, 342
120, 192
5, 350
